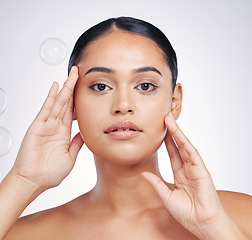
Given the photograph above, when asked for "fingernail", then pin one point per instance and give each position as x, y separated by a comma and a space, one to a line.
74, 68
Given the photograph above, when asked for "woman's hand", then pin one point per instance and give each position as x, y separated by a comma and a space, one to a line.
47, 154
193, 202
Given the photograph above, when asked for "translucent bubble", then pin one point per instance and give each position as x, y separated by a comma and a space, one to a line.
3, 101
5, 141
53, 51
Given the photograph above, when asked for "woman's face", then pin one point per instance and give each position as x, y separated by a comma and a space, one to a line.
123, 92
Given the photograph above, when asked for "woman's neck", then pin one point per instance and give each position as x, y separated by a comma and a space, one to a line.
121, 188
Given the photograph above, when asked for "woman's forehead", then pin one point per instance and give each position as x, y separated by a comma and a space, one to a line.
121, 47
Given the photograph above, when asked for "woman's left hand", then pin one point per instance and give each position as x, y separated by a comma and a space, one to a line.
193, 202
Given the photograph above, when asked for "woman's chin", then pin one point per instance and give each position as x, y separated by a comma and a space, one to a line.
127, 157
125, 152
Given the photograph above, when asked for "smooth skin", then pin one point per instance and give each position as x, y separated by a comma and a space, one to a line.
130, 199
45, 147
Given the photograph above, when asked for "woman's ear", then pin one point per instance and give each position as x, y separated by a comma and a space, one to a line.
177, 101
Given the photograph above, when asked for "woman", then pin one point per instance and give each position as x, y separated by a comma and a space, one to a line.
126, 101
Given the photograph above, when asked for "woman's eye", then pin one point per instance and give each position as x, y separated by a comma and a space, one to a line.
100, 87
146, 87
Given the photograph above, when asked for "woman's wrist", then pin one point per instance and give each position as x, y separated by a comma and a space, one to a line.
223, 228
23, 185
15, 195
17, 192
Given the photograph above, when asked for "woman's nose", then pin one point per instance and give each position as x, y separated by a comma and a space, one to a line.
123, 103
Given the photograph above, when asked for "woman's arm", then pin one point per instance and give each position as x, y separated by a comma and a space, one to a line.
15, 195
194, 202
46, 156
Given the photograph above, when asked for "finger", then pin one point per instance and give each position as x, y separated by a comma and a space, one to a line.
65, 94
176, 149
183, 143
63, 111
67, 109
162, 190
48, 104
68, 115
75, 146
175, 158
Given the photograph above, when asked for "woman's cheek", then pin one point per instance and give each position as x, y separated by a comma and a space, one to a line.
165, 111
85, 116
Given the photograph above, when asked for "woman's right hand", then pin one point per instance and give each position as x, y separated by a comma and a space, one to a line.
47, 154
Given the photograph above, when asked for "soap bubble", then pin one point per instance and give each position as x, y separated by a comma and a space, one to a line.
53, 51
3, 101
5, 141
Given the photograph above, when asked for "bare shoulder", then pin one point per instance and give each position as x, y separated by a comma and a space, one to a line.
38, 224
239, 207
45, 224
236, 203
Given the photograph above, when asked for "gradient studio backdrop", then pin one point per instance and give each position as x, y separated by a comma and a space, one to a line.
213, 44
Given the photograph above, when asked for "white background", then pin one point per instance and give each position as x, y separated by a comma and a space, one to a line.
213, 44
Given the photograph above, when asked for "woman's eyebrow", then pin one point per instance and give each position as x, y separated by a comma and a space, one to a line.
109, 70
99, 69
147, 69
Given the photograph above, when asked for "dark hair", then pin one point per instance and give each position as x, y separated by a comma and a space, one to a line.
131, 25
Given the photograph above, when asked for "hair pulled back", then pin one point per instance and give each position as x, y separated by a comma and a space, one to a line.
132, 25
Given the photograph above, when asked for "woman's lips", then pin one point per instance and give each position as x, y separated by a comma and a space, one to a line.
123, 130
